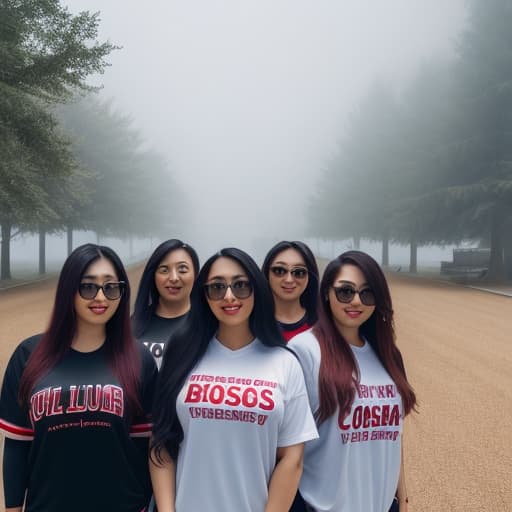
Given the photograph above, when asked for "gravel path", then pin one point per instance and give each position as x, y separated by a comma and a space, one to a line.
457, 346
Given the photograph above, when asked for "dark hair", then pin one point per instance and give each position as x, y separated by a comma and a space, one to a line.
147, 294
309, 297
336, 382
120, 347
189, 343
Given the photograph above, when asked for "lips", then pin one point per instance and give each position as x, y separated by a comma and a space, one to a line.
98, 310
353, 314
173, 289
231, 310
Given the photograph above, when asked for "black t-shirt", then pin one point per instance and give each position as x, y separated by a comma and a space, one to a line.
158, 333
83, 456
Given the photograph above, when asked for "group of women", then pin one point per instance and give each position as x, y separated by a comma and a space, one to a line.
229, 388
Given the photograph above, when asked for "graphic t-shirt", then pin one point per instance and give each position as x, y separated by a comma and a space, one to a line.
157, 334
288, 331
236, 408
82, 456
355, 463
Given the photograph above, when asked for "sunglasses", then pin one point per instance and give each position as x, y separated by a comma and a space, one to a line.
241, 289
296, 273
112, 290
346, 293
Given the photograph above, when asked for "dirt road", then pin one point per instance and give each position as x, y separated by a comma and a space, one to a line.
457, 345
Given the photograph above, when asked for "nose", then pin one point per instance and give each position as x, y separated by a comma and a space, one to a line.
173, 275
100, 297
288, 277
356, 299
229, 295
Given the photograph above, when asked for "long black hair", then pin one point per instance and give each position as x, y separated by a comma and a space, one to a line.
309, 297
147, 294
189, 343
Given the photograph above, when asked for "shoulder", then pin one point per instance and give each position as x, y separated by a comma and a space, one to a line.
146, 358
304, 342
25, 348
305, 345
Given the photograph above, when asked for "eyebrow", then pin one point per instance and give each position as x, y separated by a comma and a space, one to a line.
293, 265
223, 278
104, 276
177, 263
342, 281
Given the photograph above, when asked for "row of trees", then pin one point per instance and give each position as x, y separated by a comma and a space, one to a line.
68, 161
434, 165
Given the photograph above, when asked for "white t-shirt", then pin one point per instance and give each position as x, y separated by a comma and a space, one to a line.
355, 463
236, 408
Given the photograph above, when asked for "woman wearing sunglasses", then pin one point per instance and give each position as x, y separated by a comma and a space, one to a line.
292, 273
231, 413
358, 390
163, 298
75, 400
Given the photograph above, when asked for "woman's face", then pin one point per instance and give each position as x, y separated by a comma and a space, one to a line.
175, 276
288, 275
353, 313
229, 310
99, 309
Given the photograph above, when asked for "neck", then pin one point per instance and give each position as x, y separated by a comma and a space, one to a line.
88, 338
235, 337
288, 312
351, 335
172, 309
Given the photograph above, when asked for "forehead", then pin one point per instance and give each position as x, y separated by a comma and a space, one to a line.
352, 274
176, 256
289, 257
101, 267
226, 267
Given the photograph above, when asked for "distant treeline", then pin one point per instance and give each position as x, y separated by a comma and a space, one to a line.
67, 161
432, 165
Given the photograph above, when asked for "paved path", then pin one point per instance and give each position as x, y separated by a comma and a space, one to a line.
457, 345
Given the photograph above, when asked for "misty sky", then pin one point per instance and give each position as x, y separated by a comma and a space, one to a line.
247, 99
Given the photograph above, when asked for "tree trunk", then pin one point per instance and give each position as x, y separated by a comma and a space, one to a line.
5, 252
357, 242
413, 265
42, 251
508, 257
385, 251
497, 261
70, 239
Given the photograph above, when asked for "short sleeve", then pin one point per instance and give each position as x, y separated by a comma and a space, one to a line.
298, 424
14, 418
142, 424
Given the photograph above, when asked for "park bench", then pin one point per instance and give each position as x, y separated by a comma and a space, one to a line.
472, 262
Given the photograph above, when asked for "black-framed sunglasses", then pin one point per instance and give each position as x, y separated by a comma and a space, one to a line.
345, 294
241, 289
112, 290
297, 272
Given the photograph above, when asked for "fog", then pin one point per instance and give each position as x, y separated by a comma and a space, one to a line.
248, 99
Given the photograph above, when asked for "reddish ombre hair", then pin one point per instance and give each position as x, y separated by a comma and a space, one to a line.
339, 374
121, 349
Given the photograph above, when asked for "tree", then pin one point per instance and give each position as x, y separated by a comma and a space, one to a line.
131, 190
45, 54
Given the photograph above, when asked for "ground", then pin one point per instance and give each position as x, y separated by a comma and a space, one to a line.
457, 348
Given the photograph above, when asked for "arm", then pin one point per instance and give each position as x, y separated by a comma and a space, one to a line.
285, 478
403, 500
163, 479
15, 472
